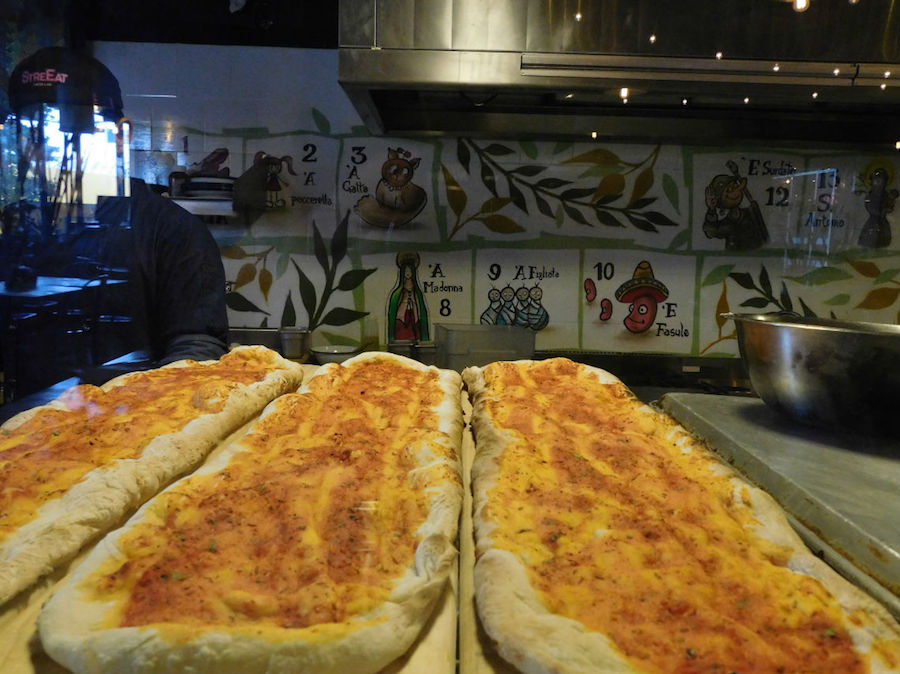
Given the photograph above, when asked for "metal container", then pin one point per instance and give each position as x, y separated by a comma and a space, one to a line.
824, 372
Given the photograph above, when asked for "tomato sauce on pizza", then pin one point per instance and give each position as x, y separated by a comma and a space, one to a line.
624, 531
310, 523
53, 450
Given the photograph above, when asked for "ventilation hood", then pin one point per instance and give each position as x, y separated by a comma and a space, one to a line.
689, 71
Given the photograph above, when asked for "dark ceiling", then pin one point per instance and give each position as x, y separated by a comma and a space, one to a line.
275, 23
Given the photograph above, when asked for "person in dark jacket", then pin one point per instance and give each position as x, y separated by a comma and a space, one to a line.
175, 276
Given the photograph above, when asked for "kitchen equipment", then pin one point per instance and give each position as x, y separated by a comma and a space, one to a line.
825, 372
334, 353
294, 343
459, 346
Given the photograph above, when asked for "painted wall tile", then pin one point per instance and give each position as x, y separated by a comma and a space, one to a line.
740, 200
637, 301
386, 184
529, 288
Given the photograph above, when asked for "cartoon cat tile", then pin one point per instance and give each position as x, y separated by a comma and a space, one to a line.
386, 185
637, 301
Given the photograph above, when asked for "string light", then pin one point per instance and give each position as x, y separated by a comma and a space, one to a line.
837, 71
815, 94
746, 99
801, 5
623, 92
776, 67
887, 73
719, 55
653, 39
594, 135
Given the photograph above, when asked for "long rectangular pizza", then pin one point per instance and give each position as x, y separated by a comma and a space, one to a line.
608, 539
316, 542
76, 467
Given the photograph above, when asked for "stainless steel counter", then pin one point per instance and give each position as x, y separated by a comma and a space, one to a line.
843, 489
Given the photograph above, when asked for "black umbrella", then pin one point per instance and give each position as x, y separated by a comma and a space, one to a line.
72, 81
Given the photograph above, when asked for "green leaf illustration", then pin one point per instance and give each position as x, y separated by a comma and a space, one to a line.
879, 298
339, 240
543, 206
488, 178
456, 197
640, 223
501, 224
743, 279
607, 218
821, 276
887, 275
529, 148
234, 253
319, 248
498, 150
755, 302
642, 203
322, 123
786, 302
353, 278
515, 194
575, 214
764, 282
561, 146
576, 193
494, 204
341, 316
281, 264
288, 315
595, 156
838, 300
670, 189
238, 302
642, 184
682, 239
463, 154
245, 275
865, 268
528, 170
307, 291
717, 275
551, 183
658, 218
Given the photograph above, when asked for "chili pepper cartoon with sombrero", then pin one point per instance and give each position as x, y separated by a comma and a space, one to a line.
642, 292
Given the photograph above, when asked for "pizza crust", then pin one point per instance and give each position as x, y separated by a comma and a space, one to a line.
372, 641
108, 494
536, 641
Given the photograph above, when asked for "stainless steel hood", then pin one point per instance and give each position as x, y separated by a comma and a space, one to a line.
695, 71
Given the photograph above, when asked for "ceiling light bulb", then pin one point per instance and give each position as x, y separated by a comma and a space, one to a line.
801, 5
836, 71
623, 92
568, 96
578, 16
883, 87
776, 67
887, 73
652, 39
746, 99
897, 145
815, 94
594, 135
719, 55
624, 100
684, 101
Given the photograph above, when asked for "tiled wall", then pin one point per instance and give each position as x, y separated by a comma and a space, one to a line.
598, 247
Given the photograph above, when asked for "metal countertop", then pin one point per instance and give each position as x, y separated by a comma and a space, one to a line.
843, 487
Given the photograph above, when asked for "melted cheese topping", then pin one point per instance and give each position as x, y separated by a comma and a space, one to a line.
44, 457
623, 531
312, 523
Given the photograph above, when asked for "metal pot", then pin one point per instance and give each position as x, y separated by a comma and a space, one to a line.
839, 374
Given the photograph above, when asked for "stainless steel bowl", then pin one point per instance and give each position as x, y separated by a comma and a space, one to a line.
838, 374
